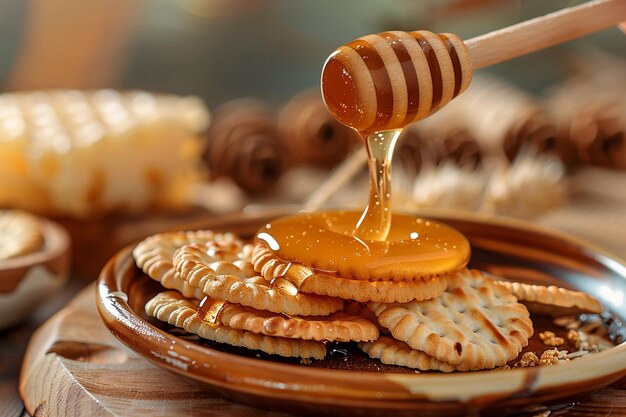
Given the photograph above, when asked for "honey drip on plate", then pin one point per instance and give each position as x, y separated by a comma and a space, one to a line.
211, 310
376, 219
288, 279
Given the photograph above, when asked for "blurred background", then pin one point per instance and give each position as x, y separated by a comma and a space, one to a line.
220, 50
124, 117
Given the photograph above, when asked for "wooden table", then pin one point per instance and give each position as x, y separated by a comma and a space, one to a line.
597, 212
13, 344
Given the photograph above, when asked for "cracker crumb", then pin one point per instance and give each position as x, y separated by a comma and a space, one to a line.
503, 368
305, 361
551, 339
528, 359
588, 343
549, 357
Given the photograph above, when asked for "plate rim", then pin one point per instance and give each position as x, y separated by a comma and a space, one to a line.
407, 388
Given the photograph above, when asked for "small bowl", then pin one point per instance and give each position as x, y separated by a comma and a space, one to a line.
28, 279
514, 250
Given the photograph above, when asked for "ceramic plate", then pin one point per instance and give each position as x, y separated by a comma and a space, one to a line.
28, 279
355, 385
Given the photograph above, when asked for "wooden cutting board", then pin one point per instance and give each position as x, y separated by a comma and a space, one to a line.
75, 367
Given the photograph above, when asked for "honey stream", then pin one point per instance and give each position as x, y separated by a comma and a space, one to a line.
375, 222
375, 244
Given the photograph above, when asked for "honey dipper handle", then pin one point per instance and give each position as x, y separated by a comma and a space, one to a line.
545, 31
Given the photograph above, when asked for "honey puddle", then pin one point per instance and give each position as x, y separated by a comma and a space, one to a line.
325, 241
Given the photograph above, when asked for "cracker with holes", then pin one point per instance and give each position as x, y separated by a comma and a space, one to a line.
236, 281
173, 308
154, 255
341, 326
308, 280
20, 234
474, 324
543, 299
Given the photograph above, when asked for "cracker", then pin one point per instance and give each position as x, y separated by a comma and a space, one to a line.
475, 323
238, 283
154, 256
553, 296
173, 308
355, 308
308, 280
394, 352
340, 326
20, 234
361, 310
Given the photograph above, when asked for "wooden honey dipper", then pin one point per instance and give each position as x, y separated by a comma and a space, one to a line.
388, 80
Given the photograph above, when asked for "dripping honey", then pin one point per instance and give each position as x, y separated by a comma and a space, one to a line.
342, 99
211, 310
289, 279
377, 242
375, 222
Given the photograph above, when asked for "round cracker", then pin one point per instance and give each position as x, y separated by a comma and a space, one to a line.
172, 308
154, 255
20, 234
394, 352
474, 324
340, 326
238, 283
308, 280
554, 296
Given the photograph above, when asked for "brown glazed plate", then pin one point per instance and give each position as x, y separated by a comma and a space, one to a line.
28, 279
348, 383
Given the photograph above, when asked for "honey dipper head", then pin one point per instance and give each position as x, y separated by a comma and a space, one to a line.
391, 79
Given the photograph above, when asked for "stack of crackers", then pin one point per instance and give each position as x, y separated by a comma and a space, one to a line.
231, 291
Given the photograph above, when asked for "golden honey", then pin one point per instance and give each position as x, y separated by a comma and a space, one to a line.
211, 310
375, 222
325, 241
375, 85
388, 80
